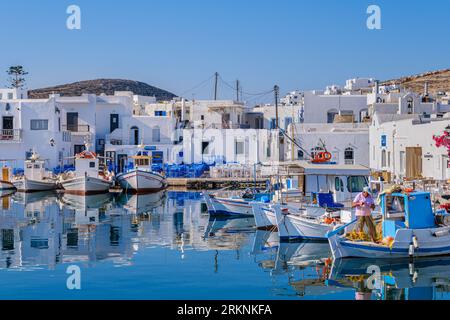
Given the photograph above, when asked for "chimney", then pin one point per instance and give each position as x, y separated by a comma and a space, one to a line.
426, 91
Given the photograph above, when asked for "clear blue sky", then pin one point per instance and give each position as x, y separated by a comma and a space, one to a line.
175, 44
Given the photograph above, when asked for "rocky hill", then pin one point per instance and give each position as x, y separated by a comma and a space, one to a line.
100, 86
437, 81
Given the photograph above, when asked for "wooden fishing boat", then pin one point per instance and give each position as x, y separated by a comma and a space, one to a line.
410, 228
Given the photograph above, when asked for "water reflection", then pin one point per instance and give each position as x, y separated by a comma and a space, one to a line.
41, 231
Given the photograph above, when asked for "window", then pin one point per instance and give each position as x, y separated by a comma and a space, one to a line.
239, 147
1, 96
349, 156
383, 159
205, 145
142, 162
287, 122
202, 117
338, 184
395, 208
156, 134
91, 164
39, 124
356, 183
300, 155
402, 162
273, 124
389, 159
10, 96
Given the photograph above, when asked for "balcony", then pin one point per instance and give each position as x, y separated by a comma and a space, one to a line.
10, 135
80, 128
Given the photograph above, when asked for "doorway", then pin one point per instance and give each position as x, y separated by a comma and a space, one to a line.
122, 161
8, 123
413, 162
135, 136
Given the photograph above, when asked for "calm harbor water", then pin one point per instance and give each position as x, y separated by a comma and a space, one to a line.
165, 246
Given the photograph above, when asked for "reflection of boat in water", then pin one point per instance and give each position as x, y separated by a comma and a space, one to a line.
28, 198
6, 193
228, 234
78, 202
142, 203
264, 242
421, 279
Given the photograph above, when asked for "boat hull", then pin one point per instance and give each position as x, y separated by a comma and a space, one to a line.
86, 185
27, 185
228, 207
264, 216
428, 245
296, 227
5, 185
138, 181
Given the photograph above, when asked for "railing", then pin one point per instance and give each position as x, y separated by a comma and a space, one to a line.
10, 135
77, 128
228, 126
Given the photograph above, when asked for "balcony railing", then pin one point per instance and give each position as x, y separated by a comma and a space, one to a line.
77, 128
10, 135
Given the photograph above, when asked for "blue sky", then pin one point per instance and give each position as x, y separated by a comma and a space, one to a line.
176, 44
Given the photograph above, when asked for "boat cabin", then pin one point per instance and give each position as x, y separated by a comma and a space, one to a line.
142, 160
87, 163
406, 211
344, 182
35, 170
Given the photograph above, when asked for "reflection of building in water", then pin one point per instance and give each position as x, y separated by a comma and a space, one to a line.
43, 229
31, 231
93, 233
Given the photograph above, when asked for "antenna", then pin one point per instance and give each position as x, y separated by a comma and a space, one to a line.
237, 90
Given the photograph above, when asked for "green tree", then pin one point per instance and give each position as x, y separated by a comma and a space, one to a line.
17, 74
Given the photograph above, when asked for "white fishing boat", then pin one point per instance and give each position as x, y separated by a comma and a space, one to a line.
301, 226
140, 178
234, 205
36, 177
5, 179
86, 179
410, 229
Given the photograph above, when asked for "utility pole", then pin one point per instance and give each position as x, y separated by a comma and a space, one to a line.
216, 75
276, 89
237, 90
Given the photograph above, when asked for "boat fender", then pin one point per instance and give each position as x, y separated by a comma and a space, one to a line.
415, 242
411, 250
411, 269
441, 233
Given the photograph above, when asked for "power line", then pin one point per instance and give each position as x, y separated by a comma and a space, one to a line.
198, 85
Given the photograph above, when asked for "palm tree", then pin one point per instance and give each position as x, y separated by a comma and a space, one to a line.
17, 73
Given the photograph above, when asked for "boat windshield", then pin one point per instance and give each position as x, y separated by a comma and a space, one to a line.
395, 208
141, 162
356, 183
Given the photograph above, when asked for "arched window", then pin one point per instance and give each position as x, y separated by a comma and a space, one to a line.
156, 134
331, 114
349, 156
383, 158
410, 105
300, 155
134, 135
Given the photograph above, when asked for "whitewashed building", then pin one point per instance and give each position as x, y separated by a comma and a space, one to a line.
404, 145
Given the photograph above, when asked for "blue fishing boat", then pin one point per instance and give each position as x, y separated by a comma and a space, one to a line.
410, 228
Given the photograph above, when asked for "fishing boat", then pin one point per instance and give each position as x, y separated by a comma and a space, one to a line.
265, 217
301, 226
5, 180
86, 179
410, 229
235, 205
139, 178
36, 177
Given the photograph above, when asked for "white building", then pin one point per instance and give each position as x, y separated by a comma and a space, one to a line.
33, 125
347, 143
404, 146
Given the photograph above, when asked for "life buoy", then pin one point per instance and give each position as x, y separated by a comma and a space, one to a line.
321, 157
